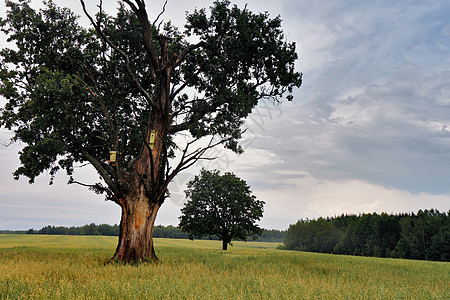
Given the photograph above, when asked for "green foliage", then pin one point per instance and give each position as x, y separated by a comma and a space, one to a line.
440, 245
245, 57
220, 205
91, 229
270, 235
417, 233
38, 89
314, 236
415, 236
73, 267
73, 94
169, 232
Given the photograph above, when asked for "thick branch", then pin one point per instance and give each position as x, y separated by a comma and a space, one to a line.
132, 6
100, 169
186, 51
180, 127
195, 117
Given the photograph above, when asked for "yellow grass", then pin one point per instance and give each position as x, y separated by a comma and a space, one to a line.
73, 267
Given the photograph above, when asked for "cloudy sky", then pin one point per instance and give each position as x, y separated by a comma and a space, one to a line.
369, 130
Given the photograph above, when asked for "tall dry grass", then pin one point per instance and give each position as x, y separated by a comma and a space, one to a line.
72, 267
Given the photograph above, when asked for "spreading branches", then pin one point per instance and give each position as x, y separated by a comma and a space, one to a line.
187, 160
141, 13
190, 158
98, 28
112, 121
97, 188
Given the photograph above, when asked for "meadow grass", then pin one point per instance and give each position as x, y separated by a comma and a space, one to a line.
76, 267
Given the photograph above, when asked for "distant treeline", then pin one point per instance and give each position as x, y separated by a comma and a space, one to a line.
113, 230
91, 229
425, 235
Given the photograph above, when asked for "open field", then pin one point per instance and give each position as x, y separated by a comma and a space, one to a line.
75, 267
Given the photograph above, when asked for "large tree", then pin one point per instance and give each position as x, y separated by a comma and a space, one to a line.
222, 206
128, 86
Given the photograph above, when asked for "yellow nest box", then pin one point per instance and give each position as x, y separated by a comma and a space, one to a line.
152, 139
112, 156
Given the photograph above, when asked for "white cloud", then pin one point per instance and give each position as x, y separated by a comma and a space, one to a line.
311, 197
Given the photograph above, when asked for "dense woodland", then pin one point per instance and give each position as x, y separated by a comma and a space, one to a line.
425, 235
159, 232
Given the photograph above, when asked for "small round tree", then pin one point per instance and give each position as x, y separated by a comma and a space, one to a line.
220, 205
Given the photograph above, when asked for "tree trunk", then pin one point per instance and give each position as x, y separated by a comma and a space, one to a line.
147, 186
224, 245
142, 199
136, 229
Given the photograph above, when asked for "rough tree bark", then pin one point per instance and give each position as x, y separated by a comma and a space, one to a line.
146, 188
141, 201
136, 229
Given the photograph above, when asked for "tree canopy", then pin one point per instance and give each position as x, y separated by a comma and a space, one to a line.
74, 94
222, 206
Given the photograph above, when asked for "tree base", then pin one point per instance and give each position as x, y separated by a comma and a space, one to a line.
136, 231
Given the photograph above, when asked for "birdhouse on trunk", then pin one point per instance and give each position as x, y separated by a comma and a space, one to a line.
152, 139
112, 156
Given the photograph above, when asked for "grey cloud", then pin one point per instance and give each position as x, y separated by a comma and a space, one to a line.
376, 107
392, 137
383, 132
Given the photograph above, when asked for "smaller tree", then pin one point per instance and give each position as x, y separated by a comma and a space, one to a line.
220, 205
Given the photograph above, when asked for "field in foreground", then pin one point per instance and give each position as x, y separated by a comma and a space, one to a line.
72, 267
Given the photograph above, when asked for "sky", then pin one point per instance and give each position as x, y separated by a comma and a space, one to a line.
368, 131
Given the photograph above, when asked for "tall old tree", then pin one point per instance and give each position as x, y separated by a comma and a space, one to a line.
117, 95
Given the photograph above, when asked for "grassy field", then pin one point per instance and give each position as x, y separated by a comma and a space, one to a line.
76, 267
